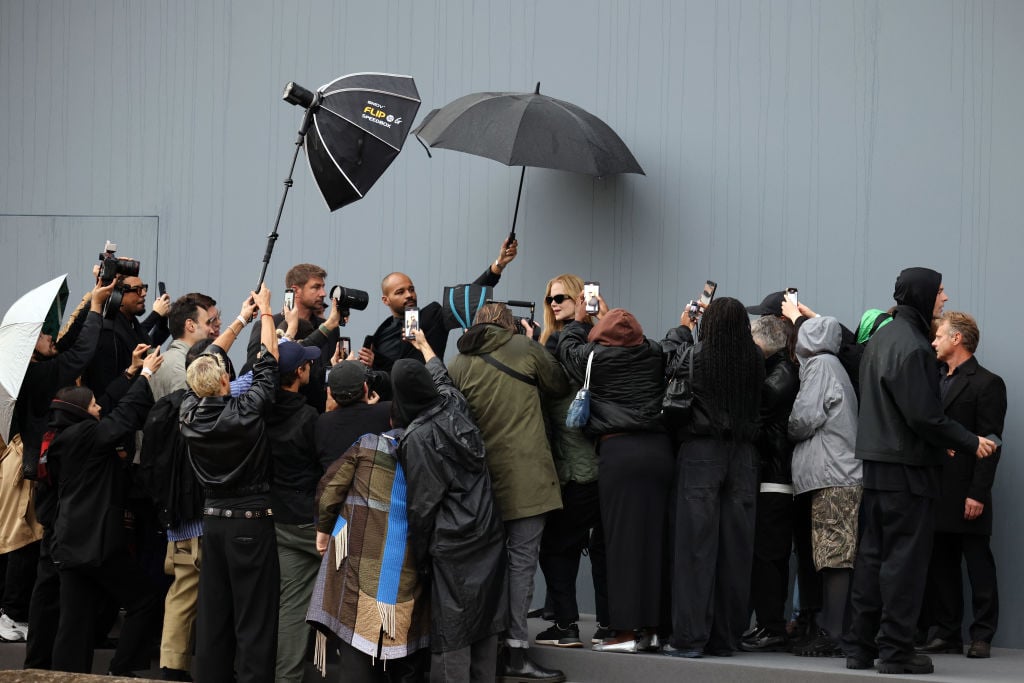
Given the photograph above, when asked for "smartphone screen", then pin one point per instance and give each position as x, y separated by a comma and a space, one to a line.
709, 293
412, 323
289, 299
591, 290
791, 296
345, 344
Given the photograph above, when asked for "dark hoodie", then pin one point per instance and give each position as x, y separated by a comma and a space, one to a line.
915, 292
291, 435
413, 391
901, 418
455, 530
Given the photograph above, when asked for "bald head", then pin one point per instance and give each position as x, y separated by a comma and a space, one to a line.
398, 293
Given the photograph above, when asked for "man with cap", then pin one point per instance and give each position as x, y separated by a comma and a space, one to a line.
777, 395
297, 469
902, 438
356, 411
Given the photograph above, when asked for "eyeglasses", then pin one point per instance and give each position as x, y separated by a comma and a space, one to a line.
557, 298
137, 289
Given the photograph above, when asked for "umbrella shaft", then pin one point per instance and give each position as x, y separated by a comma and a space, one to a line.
515, 216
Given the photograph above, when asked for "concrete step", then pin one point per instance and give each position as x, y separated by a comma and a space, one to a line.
586, 665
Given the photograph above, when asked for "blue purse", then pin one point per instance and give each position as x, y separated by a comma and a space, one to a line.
579, 410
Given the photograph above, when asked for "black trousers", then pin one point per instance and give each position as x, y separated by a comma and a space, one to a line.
19, 578
359, 667
635, 482
567, 534
889, 574
239, 586
714, 543
81, 589
945, 587
807, 575
773, 546
44, 609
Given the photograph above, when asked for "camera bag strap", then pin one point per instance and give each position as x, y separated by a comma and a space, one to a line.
491, 360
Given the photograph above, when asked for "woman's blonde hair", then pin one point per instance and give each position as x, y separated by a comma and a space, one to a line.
203, 375
573, 285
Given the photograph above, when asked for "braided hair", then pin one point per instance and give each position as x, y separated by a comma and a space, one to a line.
731, 367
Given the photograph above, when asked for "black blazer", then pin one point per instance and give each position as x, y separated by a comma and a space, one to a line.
977, 400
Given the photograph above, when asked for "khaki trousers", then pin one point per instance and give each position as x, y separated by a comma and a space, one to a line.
181, 604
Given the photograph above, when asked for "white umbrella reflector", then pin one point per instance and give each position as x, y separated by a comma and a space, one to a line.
19, 332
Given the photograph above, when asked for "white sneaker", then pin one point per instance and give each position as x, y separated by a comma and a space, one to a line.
13, 631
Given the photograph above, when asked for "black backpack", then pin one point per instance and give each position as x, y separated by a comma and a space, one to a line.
165, 473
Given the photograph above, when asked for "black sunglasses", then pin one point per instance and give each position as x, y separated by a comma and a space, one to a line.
137, 289
557, 298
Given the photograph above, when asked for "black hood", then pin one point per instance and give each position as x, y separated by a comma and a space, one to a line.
412, 391
917, 288
286, 405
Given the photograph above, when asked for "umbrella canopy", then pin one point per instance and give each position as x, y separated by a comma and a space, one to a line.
39, 310
528, 129
359, 126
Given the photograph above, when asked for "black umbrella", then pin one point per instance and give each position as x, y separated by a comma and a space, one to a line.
359, 123
528, 129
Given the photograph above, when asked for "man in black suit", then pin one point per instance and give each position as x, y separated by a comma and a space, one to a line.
976, 398
398, 293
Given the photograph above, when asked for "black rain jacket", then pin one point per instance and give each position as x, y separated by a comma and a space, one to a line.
455, 528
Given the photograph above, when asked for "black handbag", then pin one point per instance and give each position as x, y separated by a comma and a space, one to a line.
677, 405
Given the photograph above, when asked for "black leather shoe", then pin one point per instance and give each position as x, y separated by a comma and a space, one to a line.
122, 674
519, 668
979, 649
668, 650
941, 646
917, 664
858, 663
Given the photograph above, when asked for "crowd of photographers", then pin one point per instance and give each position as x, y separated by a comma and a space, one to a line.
399, 509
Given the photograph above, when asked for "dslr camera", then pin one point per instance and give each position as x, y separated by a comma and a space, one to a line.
347, 298
112, 266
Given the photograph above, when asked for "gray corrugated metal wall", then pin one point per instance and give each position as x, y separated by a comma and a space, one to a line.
819, 144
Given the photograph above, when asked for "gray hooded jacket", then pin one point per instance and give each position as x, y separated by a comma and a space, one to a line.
824, 417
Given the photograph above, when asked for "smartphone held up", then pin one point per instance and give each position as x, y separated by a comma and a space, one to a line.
289, 299
591, 290
412, 323
696, 308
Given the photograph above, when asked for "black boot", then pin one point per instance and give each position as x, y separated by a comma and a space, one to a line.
519, 668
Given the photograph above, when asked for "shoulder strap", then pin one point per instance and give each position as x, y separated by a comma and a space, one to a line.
686, 358
491, 360
586, 381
